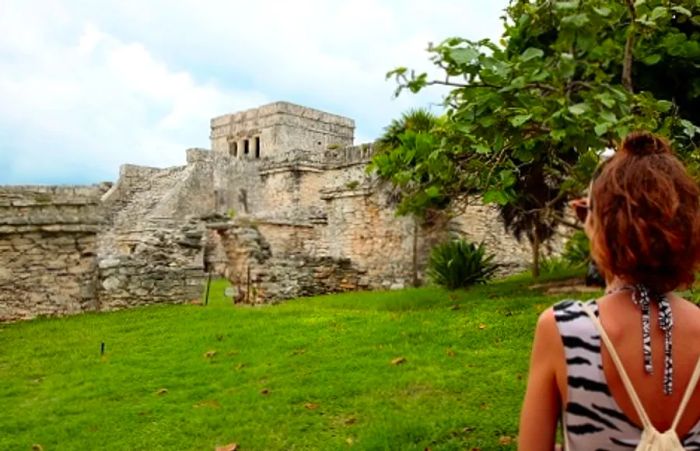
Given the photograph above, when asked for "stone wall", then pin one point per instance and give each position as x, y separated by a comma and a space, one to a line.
164, 265
263, 274
48, 250
152, 250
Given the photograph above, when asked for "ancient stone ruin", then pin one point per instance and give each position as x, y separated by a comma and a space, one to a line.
282, 205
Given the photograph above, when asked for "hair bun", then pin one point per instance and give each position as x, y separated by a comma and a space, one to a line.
641, 143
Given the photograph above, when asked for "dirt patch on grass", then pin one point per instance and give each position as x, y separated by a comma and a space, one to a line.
574, 285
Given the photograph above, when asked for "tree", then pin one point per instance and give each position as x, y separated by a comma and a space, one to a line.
525, 120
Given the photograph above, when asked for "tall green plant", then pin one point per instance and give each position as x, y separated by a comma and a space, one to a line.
460, 264
525, 119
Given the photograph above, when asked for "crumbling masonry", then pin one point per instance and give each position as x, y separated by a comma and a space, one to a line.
281, 205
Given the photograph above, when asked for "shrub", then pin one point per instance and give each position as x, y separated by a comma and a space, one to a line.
556, 265
459, 264
577, 250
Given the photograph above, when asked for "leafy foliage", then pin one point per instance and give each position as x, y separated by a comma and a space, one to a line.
555, 265
527, 118
417, 120
577, 250
460, 264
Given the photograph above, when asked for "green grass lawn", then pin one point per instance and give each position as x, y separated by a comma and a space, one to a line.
315, 373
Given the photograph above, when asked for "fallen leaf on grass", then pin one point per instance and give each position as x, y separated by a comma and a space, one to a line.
351, 420
505, 440
349, 441
212, 403
37, 447
162, 391
398, 360
482, 326
311, 405
265, 391
209, 354
229, 447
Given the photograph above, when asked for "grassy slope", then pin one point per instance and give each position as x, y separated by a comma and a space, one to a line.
307, 374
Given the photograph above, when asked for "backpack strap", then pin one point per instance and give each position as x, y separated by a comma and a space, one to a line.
688, 394
646, 423
628, 383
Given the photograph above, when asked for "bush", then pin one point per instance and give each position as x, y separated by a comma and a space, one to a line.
577, 251
556, 265
460, 264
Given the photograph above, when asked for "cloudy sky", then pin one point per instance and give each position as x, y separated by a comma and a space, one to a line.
87, 85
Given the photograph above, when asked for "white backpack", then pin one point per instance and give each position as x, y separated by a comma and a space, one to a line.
652, 439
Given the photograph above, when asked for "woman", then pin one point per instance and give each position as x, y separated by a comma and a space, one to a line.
643, 220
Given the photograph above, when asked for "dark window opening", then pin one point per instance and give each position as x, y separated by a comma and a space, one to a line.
257, 147
246, 146
233, 149
319, 143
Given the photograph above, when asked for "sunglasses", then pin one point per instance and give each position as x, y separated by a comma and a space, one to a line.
581, 208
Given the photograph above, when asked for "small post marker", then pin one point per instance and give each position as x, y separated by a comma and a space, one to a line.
102, 348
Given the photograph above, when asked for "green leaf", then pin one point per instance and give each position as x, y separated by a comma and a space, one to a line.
507, 178
464, 55
609, 117
681, 10
433, 192
495, 196
578, 109
564, 6
520, 119
689, 128
577, 20
601, 129
558, 135
606, 99
651, 59
482, 149
602, 11
531, 53
658, 13
664, 106
567, 65
523, 154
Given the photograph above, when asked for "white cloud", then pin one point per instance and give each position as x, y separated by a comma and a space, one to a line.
86, 86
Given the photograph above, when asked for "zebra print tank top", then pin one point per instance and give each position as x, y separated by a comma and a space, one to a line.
592, 418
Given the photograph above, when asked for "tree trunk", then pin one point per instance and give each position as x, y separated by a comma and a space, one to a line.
535, 255
415, 251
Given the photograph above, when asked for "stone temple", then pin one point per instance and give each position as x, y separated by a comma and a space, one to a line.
282, 205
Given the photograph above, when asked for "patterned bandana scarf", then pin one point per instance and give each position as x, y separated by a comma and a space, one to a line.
643, 298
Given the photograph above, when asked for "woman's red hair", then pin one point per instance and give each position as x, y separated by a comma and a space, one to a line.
646, 216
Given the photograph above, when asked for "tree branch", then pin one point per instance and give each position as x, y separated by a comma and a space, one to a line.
460, 85
627, 63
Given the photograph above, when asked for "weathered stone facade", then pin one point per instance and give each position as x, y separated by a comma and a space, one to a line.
282, 205
48, 250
